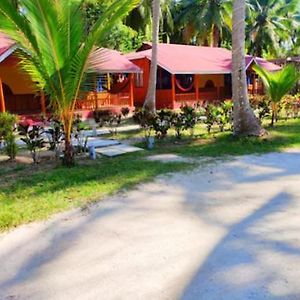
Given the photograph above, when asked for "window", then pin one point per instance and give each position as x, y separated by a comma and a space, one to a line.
139, 80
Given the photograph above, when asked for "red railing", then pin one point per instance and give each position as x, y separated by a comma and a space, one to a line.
94, 100
185, 97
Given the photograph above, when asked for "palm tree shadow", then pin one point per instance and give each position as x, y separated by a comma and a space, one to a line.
235, 268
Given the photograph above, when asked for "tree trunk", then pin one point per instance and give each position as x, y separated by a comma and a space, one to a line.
215, 36
69, 154
150, 102
244, 120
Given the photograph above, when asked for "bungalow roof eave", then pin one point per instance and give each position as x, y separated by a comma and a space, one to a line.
115, 71
8, 52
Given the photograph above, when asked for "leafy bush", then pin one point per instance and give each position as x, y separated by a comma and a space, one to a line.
146, 120
7, 129
32, 136
7, 123
110, 118
78, 133
261, 106
178, 122
11, 148
162, 122
190, 117
224, 114
211, 114
291, 105
55, 135
125, 111
102, 116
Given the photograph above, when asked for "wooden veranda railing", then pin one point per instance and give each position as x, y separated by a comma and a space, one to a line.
95, 100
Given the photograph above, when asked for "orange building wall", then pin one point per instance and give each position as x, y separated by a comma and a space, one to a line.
18, 81
217, 79
140, 92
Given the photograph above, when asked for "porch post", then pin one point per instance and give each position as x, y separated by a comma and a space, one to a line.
43, 102
131, 90
254, 85
108, 88
173, 91
2, 99
196, 83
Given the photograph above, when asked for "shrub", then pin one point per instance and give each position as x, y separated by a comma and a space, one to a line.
224, 114
102, 116
211, 114
7, 123
190, 117
32, 136
7, 135
11, 148
260, 105
162, 122
145, 119
78, 133
55, 136
125, 111
178, 122
290, 104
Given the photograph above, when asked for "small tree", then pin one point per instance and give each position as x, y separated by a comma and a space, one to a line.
277, 85
56, 51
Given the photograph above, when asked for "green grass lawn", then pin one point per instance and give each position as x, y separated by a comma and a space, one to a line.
284, 134
29, 193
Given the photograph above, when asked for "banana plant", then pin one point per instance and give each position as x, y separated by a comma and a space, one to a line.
277, 85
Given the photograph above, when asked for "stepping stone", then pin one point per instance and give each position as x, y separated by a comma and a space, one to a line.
117, 150
98, 143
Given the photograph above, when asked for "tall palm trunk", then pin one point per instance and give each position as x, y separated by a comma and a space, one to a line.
69, 154
244, 122
150, 101
215, 36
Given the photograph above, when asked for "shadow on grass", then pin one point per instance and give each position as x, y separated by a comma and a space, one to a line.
36, 196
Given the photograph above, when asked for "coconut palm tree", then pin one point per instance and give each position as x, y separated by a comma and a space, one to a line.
206, 21
244, 120
140, 18
150, 101
269, 25
55, 49
278, 84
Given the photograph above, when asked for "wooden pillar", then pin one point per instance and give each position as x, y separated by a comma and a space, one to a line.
173, 91
108, 88
43, 102
2, 99
131, 90
196, 84
254, 85
96, 91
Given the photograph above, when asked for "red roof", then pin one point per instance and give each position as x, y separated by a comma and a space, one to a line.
6, 45
185, 59
111, 61
101, 60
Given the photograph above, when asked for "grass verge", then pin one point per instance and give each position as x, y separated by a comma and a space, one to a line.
28, 195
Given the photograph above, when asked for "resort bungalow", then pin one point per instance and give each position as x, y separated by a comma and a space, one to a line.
190, 74
113, 84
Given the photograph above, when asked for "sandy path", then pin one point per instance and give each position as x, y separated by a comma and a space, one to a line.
225, 231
